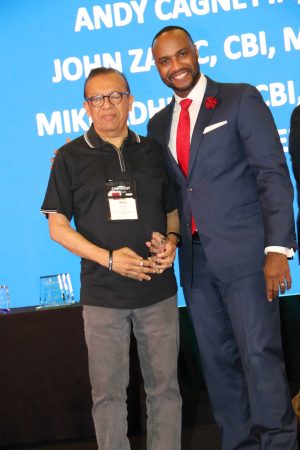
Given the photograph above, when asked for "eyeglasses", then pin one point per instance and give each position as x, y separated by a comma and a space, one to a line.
114, 99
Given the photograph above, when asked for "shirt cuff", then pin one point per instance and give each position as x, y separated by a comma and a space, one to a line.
288, 252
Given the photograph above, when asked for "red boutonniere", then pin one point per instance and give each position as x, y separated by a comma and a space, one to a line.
211, 102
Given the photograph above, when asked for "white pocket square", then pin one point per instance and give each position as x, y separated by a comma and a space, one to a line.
214, 126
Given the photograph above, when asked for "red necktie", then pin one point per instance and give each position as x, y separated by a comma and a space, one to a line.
183, 141
183, 136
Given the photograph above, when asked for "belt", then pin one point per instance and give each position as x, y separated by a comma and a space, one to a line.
196, 237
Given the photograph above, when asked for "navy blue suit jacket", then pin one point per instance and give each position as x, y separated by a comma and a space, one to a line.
294, 148
238, 187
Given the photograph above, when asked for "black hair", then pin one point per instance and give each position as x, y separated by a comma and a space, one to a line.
104, 71
172, 28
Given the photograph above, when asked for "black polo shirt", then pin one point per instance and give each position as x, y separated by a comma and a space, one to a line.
77, 189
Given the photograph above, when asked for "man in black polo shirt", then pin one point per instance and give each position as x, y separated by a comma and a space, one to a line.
113, 183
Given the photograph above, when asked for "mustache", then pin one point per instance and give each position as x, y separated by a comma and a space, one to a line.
178, 72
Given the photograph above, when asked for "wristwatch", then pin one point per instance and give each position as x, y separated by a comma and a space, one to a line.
179, 239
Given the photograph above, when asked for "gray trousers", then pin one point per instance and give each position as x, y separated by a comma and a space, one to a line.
107, 334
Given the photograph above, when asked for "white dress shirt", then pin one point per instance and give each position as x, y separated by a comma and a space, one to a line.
197, 95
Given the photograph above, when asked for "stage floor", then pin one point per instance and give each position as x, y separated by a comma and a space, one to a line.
193, 438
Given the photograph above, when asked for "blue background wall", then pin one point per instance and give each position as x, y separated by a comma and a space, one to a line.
47, 48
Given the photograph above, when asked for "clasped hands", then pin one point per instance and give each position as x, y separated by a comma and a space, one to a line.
162, 252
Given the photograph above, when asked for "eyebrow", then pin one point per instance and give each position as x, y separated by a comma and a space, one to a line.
109, 93
176, 53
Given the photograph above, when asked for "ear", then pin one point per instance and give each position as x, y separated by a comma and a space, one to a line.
130, 100
87, 108
196, 51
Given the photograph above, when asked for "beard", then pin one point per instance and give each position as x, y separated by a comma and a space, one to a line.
188, 87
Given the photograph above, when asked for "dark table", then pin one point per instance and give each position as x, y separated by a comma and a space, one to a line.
44, 383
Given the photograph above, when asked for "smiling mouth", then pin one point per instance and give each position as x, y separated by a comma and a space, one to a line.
179, 75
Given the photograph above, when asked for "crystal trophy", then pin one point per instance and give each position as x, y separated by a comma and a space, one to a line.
56, 290
157, 244
4, 299
68, 289
51, 291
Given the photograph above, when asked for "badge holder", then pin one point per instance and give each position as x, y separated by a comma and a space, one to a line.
121, 200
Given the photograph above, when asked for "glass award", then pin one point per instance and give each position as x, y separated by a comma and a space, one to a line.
56, 290
4, 299
51, 291
68, 288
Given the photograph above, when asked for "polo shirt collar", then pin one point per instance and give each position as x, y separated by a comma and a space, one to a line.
95, 141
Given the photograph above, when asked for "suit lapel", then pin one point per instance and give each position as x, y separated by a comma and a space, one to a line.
203, 119
165, 124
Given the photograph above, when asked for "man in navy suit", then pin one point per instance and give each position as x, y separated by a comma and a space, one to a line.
237, 226
294, 148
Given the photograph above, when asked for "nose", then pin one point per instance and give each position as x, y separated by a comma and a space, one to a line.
106, 102
175, 65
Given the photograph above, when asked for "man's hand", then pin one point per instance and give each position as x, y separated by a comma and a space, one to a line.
277, 274
124, 260
162, 251
129, 264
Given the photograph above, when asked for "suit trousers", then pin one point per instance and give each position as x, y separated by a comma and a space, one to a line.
107, 334
239, 337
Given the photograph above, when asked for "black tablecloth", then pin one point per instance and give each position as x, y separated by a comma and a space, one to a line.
44, 383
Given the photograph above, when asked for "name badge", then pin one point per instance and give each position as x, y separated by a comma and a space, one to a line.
121, 200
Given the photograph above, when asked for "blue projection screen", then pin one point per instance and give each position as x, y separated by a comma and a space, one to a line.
47, 50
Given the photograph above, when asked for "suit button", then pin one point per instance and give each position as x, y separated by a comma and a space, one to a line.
190, 189
188, 224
